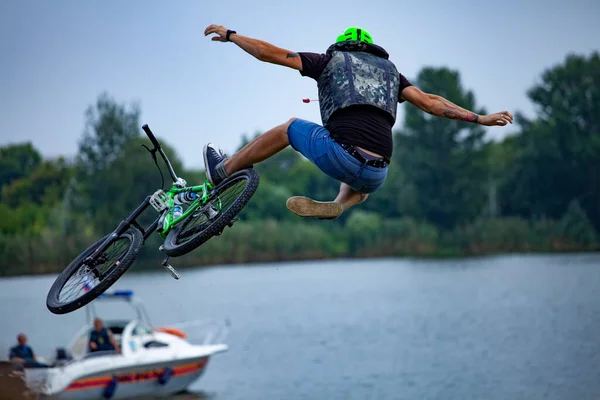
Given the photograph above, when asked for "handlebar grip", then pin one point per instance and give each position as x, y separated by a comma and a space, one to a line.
151, 136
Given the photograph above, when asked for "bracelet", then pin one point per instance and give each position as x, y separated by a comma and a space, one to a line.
229, 32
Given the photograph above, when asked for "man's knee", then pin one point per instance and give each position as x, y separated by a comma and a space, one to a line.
287, 124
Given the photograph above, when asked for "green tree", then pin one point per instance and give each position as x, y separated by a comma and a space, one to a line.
114, 172
108, 128
362, 228
397, 196
444, 161
17, 161
121, 187
44, 185
576, 226
558, 154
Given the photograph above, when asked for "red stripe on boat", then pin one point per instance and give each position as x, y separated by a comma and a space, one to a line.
92, 383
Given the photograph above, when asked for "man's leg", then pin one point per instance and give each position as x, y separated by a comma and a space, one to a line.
306, 207
264, 146
349, 197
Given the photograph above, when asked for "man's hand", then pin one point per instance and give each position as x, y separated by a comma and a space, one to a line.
93, 345
496, 119
259, 49
221, 32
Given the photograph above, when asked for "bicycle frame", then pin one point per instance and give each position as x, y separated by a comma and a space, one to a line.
169, 222
179, 186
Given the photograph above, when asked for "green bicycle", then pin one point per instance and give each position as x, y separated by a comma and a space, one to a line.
188, 217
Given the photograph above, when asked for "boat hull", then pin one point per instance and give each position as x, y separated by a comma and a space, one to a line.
141, 381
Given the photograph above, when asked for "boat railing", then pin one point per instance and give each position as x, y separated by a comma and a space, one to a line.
205, 332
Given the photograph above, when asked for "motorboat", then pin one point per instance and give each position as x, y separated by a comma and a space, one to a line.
153, 361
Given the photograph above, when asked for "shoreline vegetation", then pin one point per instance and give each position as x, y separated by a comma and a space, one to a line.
451, 191
312, 241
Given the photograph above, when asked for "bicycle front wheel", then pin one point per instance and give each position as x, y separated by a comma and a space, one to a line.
80, 283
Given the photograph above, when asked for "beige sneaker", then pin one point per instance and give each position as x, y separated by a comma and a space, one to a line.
305, 207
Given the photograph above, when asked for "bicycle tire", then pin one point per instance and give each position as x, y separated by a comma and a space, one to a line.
170, 246
56, 307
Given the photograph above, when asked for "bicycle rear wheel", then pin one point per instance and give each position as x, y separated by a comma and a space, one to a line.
225, 202
79, 283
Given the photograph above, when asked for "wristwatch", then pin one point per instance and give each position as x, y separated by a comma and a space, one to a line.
229, 32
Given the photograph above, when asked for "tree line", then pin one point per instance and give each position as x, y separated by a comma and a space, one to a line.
450, 190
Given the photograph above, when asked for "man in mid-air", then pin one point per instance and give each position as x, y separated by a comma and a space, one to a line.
359, 91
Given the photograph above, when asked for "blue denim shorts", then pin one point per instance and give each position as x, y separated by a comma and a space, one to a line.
314, 142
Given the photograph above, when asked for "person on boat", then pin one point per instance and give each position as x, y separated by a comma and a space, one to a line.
359, 91
101, 338
23, 353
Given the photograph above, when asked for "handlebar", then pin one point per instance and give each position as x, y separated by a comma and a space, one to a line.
151, 136
160, 151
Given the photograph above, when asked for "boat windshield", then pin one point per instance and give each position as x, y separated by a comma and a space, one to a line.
80, 343
117, 305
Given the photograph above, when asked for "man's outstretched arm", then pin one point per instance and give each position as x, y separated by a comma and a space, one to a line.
260, 49
441, 107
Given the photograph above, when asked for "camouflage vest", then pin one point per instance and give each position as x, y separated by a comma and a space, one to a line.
358, 73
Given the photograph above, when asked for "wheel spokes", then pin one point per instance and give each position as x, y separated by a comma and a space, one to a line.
86, 277
221, 199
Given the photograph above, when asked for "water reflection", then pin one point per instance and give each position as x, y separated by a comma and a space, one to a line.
496, 328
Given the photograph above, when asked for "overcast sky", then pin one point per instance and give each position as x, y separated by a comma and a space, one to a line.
58, 56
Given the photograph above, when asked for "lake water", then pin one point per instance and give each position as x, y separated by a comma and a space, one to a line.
509, 327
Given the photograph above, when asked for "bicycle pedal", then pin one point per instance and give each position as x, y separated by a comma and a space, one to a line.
172, 271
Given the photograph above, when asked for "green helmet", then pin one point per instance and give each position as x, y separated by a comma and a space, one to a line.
355, 33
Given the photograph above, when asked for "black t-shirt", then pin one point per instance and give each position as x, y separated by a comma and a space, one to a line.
364, 126
102, 340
